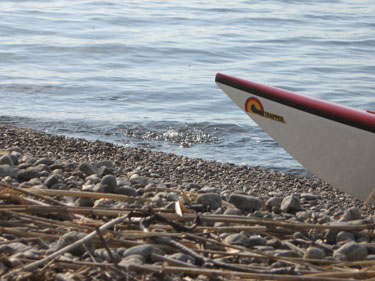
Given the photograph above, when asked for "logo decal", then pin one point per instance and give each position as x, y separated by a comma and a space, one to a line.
253, 105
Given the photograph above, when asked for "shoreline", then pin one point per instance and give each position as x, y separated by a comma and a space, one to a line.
158, 216
179, 170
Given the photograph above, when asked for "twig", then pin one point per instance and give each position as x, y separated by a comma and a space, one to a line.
33, 265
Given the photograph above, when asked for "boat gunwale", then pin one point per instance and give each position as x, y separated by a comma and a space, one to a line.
335, 112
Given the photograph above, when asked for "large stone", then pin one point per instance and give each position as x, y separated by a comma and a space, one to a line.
7, 171
143, 250
237, 239
52, 179
314, 253
109, 183
245, 202
27, 174
291, 204
6, 159
88, 168
71, 237
351, 252
138, 180
210, 200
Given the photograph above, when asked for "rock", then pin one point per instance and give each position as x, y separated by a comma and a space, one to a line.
106, 163
344, 236
273, 202
257, 240
51, 180
65, 277
109, 183
87, 168
210, 200
314, 253
138, 180
7, 171
132, 260
6, 159
143, 250
45, 161
237, 239
233, 212
309, 196
98, 188
245, 202
68, 239
182, 257
124, 190
290, 204
351, 214
351, 252
84, 202
27, 174
11, 248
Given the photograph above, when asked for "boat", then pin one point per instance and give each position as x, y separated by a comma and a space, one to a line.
334, 142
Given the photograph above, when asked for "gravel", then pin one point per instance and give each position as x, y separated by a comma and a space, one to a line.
302, 218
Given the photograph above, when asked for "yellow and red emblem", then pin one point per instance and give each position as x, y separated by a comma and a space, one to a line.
253, 105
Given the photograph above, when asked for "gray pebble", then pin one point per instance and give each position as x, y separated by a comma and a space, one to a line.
309, 196
125, 190
211, 200
290, 204
27, 174
233, 212
314, 253
132, 260
245, 202
182, 257
144, 250
109, 183
273, 202
45, 161
351, 252
7, 171
344, 236
51, 180
351, 214
68, 239
84, 202
138, 180
87, 168
257, 240
237, 239
6, 159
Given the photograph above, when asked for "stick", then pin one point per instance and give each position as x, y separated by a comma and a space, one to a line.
35, 264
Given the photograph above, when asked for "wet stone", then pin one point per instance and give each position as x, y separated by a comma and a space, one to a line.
210, 200
245, 202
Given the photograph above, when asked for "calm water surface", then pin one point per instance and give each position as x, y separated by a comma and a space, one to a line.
141, 73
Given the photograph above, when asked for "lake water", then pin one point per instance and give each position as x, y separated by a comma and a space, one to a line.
141, 73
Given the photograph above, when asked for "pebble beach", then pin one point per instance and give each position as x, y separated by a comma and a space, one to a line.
72, 209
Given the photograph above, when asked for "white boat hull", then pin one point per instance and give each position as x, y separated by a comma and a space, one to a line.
341, 154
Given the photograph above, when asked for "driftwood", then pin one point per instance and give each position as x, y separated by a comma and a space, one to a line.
38, 215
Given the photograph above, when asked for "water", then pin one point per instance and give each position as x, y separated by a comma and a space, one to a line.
141, 73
